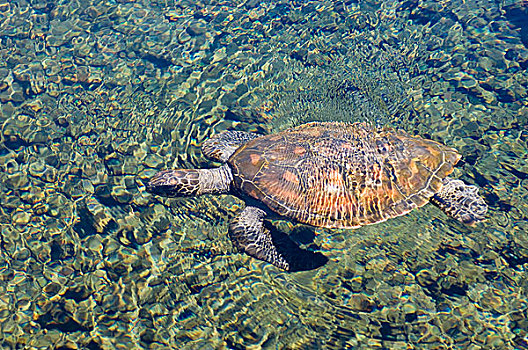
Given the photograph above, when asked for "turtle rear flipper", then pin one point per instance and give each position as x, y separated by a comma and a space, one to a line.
249, 235
221, 146
460, 201
190, 182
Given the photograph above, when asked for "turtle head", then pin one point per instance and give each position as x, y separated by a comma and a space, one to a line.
190, 182
175, 183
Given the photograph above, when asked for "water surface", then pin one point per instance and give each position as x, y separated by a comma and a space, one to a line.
95, 97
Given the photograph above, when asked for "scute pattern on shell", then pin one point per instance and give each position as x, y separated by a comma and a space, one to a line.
340, 175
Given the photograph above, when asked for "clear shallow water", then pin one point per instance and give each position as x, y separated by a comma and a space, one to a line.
96, 97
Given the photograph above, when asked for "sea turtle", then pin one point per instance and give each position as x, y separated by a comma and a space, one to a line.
324, 174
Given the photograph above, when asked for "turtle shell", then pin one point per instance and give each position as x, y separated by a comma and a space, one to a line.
340, 175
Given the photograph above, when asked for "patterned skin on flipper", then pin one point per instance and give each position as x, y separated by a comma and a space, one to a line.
221, 146
249, 235
461, 202
340, 175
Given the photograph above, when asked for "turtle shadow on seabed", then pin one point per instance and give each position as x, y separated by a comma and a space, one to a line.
299, 259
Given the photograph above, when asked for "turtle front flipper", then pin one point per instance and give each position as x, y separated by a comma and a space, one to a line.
221, 146
249, 235
191, 182
460, 201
